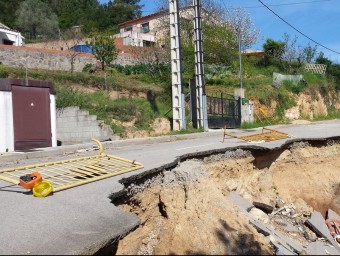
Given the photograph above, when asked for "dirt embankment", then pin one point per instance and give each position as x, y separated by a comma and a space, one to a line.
187, 210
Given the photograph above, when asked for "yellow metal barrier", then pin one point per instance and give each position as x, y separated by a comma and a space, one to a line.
70, 173
270, 135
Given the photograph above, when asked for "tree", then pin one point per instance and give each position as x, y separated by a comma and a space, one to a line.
240, 22
321, 59
37, 19
124, 10
104, 49
6, 11
291, 52
71, 38
273, 50
219, 44
309, 53
79, 12
237, 19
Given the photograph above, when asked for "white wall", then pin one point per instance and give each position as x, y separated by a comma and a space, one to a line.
6, 122
12, 36
53, 111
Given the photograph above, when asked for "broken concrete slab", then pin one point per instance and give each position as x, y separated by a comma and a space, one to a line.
283, 251
264, 229
260, 227
291, 228
287, 242
320, 248
280, 250
242, 203
332, 215
318, 225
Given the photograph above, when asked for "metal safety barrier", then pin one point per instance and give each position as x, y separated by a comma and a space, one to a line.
70, 173
270, 135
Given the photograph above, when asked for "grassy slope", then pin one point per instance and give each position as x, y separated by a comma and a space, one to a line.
92, 92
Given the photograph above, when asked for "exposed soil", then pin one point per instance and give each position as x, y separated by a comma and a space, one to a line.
186, 210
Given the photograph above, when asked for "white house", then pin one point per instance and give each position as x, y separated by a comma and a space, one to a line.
147, 30
9, 36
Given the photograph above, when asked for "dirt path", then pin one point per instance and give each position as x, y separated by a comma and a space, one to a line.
187, 210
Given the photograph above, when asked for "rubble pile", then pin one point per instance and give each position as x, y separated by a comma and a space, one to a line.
292, 232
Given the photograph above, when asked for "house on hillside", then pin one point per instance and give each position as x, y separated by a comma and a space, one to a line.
256, 54
9, 36
147, 30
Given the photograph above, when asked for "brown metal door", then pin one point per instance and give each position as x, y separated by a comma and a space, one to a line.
31, 117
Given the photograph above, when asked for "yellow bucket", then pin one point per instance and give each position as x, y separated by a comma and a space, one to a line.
42, 189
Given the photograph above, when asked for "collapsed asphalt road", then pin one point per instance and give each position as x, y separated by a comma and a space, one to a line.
83, 220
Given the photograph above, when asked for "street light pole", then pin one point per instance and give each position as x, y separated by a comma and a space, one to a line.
239, 54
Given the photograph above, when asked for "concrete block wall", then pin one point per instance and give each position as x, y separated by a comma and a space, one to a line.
78, 126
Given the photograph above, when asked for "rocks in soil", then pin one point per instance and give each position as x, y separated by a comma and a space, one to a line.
259, 215
264, 207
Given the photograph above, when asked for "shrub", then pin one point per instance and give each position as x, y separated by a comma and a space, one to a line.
295, 87
3, 74
87, 67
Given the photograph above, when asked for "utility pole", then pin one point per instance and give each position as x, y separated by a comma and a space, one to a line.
178, 103
201, 99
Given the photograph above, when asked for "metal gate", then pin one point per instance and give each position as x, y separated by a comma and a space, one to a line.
31, 117
70, 173
224, 111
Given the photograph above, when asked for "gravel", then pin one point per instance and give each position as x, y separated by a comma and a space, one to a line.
185, 172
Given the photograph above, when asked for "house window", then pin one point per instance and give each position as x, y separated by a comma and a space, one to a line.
146, 27
148, 44
128, 29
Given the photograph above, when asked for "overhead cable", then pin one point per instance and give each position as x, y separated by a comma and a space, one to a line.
298, 29
295, 3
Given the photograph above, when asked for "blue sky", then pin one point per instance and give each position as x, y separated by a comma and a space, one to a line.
318, 19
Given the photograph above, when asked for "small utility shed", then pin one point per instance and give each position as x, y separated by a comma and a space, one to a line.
9, 36
27, 115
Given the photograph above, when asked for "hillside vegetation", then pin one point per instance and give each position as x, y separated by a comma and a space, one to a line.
134, 94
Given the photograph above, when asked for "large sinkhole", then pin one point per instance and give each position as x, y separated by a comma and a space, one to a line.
186, 210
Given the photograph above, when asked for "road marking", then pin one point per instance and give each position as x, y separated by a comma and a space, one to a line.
196, 146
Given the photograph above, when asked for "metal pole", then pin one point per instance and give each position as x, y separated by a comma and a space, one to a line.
240, 55
26, 75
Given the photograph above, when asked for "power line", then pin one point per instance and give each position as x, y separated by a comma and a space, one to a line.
298, 29
296, 3
260, 6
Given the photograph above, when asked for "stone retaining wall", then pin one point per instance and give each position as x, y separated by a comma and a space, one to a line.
16, 56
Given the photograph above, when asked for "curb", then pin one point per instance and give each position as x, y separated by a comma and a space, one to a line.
60, 150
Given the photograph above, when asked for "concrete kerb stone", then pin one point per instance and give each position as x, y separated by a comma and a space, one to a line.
55, 151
